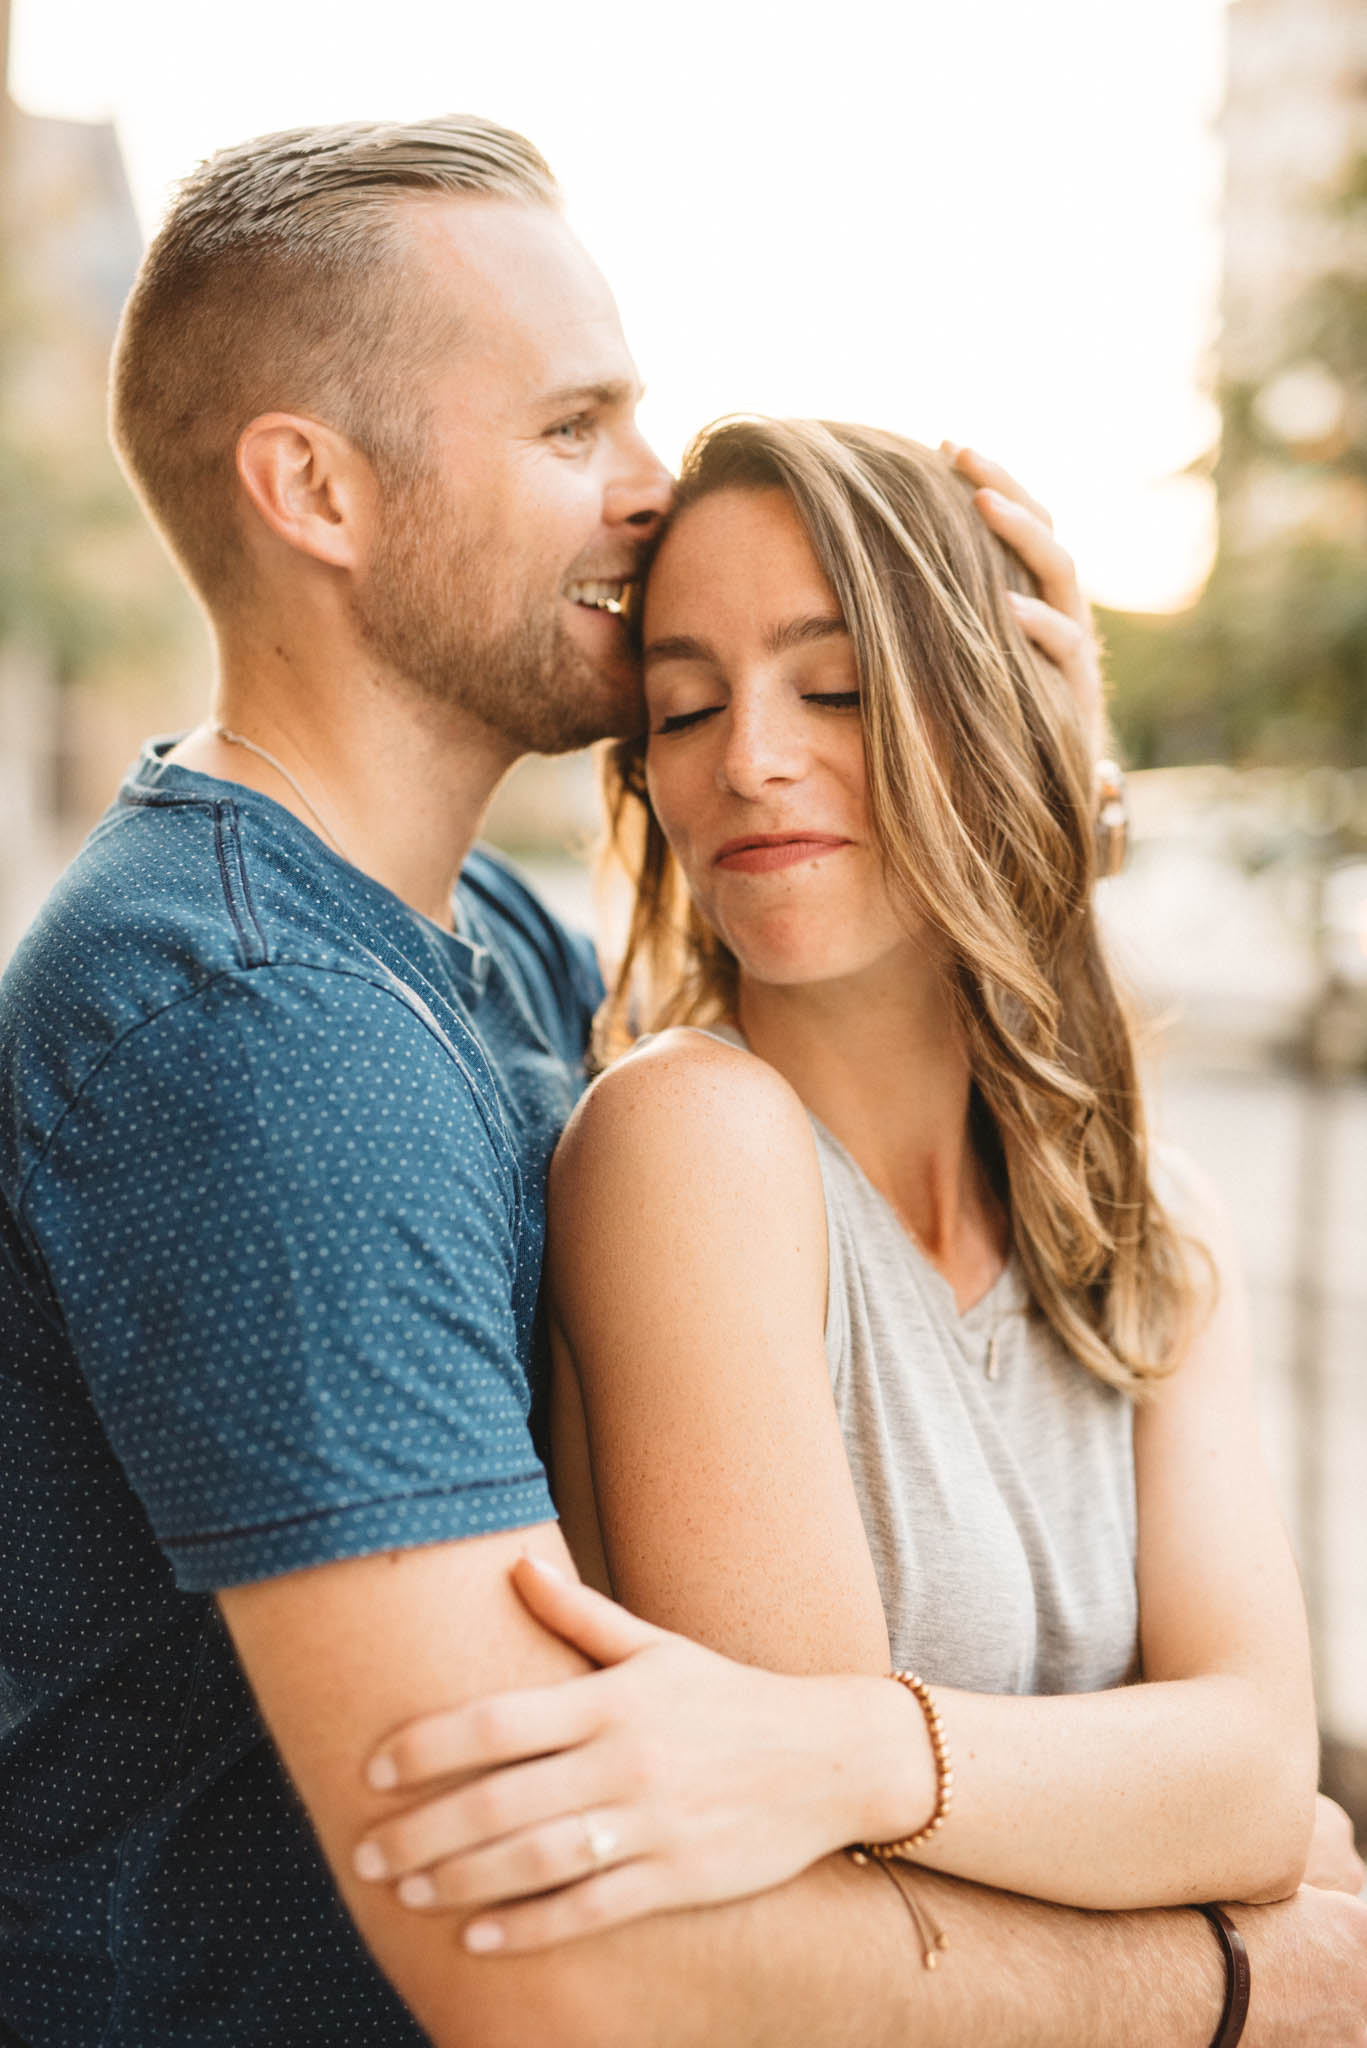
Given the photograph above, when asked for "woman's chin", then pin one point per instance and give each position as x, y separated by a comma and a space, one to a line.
796, 967
783, 955
799, 957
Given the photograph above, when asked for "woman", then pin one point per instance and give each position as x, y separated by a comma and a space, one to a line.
904, 1157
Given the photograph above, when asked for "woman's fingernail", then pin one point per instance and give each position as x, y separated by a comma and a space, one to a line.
483, 1936
369, 1861
949, 448
382, 1773
418, 1891
547, 1571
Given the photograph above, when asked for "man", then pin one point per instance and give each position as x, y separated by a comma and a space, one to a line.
278, 1099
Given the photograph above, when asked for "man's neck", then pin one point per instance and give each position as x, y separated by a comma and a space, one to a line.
395, 785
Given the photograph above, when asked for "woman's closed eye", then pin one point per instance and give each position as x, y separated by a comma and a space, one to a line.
679, 721
830, 700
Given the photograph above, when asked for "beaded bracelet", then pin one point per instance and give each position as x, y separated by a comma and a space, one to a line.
944, 1779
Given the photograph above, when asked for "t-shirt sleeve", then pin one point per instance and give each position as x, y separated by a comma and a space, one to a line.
281, 1222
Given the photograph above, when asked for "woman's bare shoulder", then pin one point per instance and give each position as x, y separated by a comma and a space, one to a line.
683, 1102
687, 1216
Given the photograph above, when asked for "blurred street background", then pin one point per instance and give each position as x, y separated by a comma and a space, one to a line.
1207, 209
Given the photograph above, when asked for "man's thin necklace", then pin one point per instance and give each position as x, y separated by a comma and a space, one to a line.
237, 739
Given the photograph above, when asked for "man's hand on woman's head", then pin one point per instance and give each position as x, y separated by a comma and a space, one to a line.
1059, 621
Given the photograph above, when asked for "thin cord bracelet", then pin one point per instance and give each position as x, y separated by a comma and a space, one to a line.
886, 1852
1238, 1977
929, 1933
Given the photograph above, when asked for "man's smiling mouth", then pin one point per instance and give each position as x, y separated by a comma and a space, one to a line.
603, 595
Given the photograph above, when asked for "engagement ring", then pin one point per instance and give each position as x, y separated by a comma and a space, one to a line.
599, 1840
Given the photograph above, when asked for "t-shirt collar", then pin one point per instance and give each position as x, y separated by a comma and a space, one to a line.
153, 775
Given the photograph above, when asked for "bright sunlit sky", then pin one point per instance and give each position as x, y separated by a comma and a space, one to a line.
975, 218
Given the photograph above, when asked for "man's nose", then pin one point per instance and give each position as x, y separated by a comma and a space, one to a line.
763, 750
641, 495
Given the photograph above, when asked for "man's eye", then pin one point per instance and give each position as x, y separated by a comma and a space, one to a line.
679, 721
834, 700
573, 430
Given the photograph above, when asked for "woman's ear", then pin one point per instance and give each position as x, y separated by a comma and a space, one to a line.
309, 484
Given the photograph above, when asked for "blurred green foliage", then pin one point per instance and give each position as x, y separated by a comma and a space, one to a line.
1270, 665
52, 522
82, 581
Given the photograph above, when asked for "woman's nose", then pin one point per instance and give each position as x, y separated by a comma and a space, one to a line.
763, 748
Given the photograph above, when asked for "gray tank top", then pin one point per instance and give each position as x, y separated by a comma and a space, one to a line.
994, 1474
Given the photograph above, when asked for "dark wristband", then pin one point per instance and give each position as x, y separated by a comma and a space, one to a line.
1238, 1977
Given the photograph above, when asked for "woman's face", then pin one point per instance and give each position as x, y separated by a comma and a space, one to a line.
756, 754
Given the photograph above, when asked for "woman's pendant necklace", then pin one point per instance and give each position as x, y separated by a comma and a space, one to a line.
237, 739
992, 1363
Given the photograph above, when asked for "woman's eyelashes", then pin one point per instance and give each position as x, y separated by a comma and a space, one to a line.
830, 700
679, 721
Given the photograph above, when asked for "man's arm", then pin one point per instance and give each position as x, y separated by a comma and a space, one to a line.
343, 1654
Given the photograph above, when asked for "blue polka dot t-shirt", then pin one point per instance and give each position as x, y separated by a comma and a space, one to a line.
272, 1164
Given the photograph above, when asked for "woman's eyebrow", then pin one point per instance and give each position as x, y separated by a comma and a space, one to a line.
680, 647
778, 640
799, 632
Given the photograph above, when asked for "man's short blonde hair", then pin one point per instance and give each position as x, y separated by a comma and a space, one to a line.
277, 283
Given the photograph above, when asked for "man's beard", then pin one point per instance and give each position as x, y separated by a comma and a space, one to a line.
420, 610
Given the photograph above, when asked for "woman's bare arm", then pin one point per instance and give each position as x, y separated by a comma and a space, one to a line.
687, 1258
688, 1269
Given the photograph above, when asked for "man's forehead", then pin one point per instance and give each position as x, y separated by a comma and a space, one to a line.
510, 264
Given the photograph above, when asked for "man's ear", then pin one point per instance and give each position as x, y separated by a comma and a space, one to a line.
310, 484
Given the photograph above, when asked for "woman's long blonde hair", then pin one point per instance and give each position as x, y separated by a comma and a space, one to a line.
980, 793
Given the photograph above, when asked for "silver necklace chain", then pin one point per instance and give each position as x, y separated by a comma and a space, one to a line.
237, 739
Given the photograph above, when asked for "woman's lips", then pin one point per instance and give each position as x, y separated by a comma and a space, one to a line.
763, 852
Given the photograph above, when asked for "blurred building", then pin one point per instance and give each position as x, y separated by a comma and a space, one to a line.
1295, 237
91, 621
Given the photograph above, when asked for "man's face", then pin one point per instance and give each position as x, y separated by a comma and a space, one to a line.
498, 566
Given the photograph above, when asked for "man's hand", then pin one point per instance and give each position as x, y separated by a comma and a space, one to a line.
1308, 1956
1059, 621
1334, 1864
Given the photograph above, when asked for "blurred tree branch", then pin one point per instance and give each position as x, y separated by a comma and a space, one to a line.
1270, 664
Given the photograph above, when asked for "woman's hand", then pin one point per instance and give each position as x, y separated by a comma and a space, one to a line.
1060, 620
1333, 1864
672, 1777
